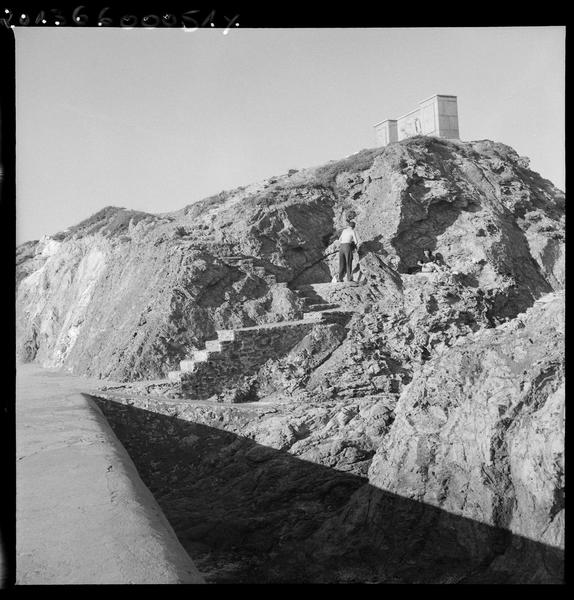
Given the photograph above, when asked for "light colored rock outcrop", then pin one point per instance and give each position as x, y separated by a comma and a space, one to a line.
484, 420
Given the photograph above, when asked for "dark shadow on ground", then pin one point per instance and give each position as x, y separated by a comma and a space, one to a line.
248, 513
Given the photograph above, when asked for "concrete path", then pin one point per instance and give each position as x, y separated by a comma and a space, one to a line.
83, 515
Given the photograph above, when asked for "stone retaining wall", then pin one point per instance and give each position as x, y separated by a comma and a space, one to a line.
245, 350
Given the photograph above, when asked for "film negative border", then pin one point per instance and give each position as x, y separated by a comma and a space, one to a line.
108, 16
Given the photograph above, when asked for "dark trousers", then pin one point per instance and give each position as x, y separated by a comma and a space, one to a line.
346, 261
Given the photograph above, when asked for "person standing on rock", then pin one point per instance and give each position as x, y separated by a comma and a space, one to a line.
348, 242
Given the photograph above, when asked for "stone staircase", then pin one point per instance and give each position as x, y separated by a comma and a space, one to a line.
316, 306
239, 352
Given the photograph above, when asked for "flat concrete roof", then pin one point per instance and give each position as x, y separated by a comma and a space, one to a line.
83, 515
415, 109
438, 96
381, 122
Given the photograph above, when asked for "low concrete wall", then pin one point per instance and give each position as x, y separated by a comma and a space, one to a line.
83, 515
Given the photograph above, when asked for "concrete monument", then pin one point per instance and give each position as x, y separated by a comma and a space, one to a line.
437, 115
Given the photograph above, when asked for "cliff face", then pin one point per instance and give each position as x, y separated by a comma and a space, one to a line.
126, 295
458, 479
506, 386
421, 440
478, 434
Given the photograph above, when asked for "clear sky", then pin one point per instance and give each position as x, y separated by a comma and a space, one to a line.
156, 119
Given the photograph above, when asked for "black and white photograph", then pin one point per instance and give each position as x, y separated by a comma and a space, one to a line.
289, 301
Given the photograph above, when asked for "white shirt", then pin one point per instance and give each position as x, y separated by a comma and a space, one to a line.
348, 236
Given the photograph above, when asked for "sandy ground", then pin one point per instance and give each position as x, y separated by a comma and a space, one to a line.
83, 515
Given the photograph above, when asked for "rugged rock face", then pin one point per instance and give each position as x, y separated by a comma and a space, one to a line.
420, 440
478, 433
460, 479
500, 381
126, 295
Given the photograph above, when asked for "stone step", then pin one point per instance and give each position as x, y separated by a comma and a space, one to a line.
226, 335
187, 365
312, 316
238, 258
321, 287
200, 355
326, 289
242, 331
205, 355
321, 306
330, 316
214, 345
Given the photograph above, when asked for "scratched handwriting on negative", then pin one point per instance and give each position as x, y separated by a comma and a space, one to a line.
188, 21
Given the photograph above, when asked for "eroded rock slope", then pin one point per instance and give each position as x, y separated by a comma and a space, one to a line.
458, 479
126, 295
420, 440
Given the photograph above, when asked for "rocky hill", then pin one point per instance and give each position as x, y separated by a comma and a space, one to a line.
419, 438
459, 479
126, 295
